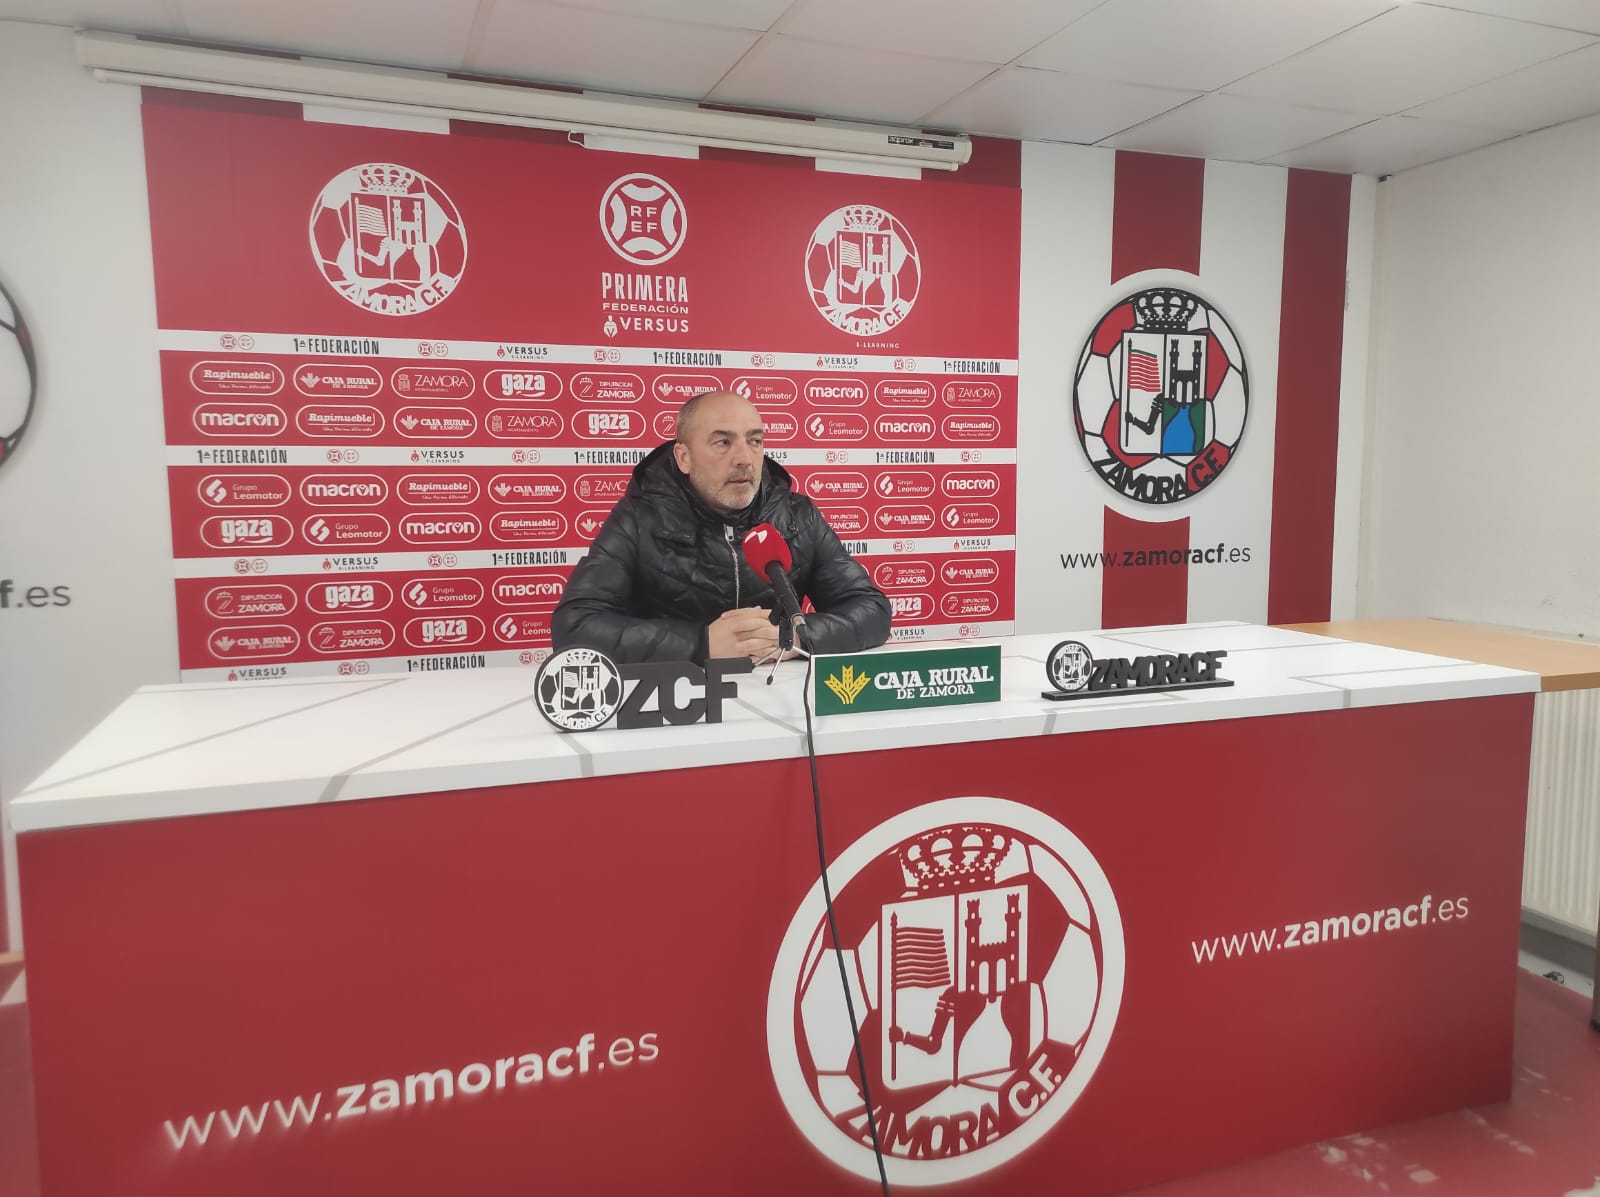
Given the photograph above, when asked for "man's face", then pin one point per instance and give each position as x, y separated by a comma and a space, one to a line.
721, 452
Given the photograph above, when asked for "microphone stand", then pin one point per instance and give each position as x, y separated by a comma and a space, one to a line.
788, 641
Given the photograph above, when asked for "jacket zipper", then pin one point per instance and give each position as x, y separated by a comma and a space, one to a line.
727, 534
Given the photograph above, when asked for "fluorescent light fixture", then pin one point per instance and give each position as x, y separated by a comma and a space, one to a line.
120, 58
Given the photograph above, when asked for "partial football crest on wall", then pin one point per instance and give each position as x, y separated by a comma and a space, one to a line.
388, 239
18, 377
1161, 395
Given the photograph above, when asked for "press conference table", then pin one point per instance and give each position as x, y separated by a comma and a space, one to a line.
395, 935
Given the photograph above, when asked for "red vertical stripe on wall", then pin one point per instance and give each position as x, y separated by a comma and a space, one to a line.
1155, 225
1306, 445
1155, 217
1134, 594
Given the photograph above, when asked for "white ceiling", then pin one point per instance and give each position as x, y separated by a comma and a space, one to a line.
1370, 86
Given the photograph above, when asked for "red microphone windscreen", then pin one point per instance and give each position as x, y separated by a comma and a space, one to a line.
763, 545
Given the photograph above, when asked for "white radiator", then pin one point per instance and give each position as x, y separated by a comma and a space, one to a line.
1561, 865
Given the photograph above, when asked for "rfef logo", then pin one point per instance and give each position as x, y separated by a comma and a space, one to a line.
643, 219
388, 239
1162, 395
998, 950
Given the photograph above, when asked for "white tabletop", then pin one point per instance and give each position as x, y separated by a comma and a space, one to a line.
204, 748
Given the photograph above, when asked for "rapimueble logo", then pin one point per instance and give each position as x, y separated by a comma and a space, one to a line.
987, 959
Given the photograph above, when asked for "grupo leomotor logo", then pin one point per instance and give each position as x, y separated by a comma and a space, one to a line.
985, 955
643, 219
388, 239
1161, 395
862, 270
18, 377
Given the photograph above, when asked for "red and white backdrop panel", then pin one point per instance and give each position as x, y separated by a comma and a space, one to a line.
1182, 327
406, 374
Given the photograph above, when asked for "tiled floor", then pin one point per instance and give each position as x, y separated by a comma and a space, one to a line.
1543, 1142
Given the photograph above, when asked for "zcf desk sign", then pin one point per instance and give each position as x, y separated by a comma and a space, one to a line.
1075, 673
581, 689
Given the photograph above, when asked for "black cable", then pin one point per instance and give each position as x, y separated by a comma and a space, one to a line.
833, 929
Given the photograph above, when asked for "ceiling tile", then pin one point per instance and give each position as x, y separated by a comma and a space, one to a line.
1051, 106
429, 36
1234, 128
1199, 44
1568, 14
1561, 89
121, 16
732, 14
607, 52
1391, 144
995, 33
1409, 55
869, 85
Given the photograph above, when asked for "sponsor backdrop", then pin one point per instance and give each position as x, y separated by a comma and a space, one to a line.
405, 375
1070, 977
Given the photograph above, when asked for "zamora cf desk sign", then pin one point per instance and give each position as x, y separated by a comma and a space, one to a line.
849, 683
1074, 673
581, 689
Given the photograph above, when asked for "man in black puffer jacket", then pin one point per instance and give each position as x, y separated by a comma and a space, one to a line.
666, 578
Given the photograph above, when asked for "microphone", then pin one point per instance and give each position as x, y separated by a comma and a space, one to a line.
768, 554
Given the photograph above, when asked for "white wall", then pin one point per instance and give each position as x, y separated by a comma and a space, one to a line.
1483, 477
83, 502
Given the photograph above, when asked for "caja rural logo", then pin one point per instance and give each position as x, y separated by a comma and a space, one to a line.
862, 270
986, 959
1161, 395
388, 239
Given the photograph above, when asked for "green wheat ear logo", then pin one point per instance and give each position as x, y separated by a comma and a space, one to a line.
849, 684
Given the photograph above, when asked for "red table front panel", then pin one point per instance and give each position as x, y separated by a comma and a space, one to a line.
1081, 963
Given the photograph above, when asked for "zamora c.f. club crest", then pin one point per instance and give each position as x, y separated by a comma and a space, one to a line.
388, 239
1161, 395
985, 958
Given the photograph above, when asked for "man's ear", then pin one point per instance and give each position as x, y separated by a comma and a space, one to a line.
680, 454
